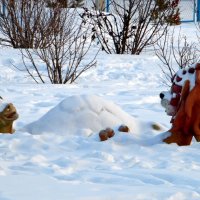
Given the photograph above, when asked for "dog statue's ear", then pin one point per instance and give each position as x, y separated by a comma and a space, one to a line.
197, 73
184, 93
197, 67
185, 90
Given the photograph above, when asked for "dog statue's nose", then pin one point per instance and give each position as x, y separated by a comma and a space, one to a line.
162, 95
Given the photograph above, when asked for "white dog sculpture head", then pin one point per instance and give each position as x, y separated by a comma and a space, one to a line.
170, 99
165, 102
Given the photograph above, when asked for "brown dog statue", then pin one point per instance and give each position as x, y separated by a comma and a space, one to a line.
185, 107
7, 117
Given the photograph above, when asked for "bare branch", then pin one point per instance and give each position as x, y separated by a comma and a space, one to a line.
132, 25
175, 52
62, 56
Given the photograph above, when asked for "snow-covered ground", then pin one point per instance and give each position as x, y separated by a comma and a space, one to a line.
64, 159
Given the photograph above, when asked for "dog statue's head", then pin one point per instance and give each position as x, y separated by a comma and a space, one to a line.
8, 114
185, 99
170, 99
165, 102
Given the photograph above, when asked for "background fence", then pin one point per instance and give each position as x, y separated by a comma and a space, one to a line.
189, 9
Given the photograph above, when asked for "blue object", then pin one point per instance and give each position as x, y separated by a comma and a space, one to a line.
4, 9
198, 10
107, 5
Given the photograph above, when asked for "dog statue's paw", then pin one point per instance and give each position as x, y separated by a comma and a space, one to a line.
123, 128
105, 134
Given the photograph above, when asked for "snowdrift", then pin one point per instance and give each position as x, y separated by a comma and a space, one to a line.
84, 114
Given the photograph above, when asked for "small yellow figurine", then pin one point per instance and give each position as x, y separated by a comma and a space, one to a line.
7, 117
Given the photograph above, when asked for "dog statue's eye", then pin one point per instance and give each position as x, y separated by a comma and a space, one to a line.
8, 108
184, 72
191, 70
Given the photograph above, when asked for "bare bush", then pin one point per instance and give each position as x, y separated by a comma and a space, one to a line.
175, 53
62, 59
132, 25
25, 24
65, 3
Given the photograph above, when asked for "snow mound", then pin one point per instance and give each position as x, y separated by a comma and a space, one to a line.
83, 115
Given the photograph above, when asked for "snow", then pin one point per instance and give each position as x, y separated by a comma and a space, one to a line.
86, 114
55, 152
